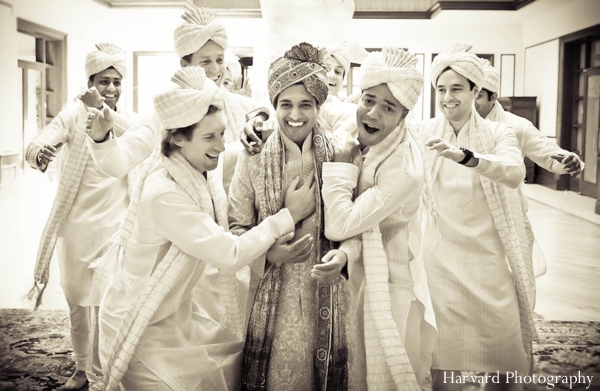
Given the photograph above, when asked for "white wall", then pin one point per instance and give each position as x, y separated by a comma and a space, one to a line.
538, 71
560, 18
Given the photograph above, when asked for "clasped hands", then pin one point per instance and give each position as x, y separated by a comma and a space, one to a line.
301, 201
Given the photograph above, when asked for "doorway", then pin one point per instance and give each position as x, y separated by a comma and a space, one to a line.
579, 108
591, 130
42, 61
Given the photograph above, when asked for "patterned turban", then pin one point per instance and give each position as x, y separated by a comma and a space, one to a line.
199, 27
459, 58
302, 63
232, 62
346, 52
396, 68
188, 104
107, 55
491, 78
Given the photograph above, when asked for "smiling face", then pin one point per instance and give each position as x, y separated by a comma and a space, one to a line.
335, 74
485, 102
211, 58
455, 98
108, 84
296, 112
206, 143
378, 114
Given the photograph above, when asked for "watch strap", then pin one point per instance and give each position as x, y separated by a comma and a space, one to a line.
468, 156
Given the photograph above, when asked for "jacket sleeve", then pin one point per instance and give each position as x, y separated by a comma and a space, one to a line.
56, 131
116, 157
344, 218
179, 220
505, 163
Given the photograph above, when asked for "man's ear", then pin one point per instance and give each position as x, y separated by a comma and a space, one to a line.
177, 139
494, 97
183, 63
90, 84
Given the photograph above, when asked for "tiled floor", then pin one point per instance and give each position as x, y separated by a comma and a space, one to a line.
569, 291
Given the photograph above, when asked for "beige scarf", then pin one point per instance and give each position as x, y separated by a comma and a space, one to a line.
538, 261
68, 186
388, 366
507, 214
210, 197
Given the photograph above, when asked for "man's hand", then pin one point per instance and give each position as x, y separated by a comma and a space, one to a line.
92, 98
249, 137
297, 252
47, 153
571, 162
329, 270
445, 149
346, 149
98, 123
301, 202
242, 89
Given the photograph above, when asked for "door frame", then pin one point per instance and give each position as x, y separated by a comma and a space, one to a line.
587, 188
565, 137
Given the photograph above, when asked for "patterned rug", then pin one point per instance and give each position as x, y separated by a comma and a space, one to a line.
35, 353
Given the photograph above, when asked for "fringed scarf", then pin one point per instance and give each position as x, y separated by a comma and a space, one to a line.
388, 366
507, 214
331, 355
68, 186
538, 261
210, 197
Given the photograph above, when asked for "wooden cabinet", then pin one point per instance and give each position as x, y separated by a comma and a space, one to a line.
526, 107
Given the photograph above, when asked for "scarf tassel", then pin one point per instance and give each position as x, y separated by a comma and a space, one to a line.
36, 293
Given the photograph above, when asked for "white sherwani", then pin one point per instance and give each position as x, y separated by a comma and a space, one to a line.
472, 288
392, 203
185, 343
532, 142
98, 208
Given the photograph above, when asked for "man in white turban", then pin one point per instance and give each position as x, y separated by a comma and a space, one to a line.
88, 207
399, 326
341, 53
157, 332
200, 40
533, 143
479, 271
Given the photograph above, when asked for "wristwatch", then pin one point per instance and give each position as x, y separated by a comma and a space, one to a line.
468, 156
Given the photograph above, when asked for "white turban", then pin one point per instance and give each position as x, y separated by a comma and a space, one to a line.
346, 52
199, 27
396, 68
491, 75
232, 62
460, 60
188, 104
107, 55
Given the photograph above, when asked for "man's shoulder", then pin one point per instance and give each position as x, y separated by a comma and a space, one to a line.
515, 121
158, 183
248, 162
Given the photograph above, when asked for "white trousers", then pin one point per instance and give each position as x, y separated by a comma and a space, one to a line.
84, 339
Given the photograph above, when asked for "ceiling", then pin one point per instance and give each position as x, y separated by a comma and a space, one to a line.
364, 9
